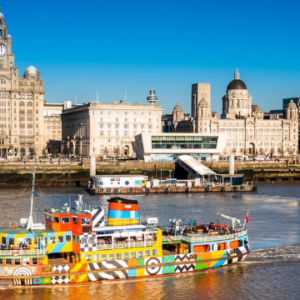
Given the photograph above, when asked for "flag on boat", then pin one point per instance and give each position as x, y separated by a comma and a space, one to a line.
247, 217
35, 193
170, 239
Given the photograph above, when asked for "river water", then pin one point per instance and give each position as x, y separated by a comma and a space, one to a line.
271, 271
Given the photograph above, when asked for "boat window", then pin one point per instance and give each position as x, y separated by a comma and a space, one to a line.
147, 252
75, 220
140, 253
78, 240
83, 240
89, 257
133, 254
49, 217
68, 238
56, 220
96, 257
52, 239
11, 240
1, 261
111, 256
91, 240
60, 239
154, 252
8, 262
17, 261
46, 240
28, 242
126, 255
65, 220
25, 261
104, 257
119, 255
85, 221
4, 240
74, 238
34, 261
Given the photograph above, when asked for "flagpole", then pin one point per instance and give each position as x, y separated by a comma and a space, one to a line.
30, 219
246, 219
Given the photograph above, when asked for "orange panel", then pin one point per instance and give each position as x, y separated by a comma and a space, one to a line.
201, 248
123, 206
131, 262
234, 244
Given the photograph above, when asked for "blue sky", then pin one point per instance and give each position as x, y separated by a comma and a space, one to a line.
81, 47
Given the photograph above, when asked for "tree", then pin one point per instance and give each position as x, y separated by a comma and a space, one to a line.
106, 151
272, 151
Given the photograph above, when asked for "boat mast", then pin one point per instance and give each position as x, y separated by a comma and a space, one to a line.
30, 219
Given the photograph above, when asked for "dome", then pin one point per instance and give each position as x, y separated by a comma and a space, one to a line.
257, 109
292, 104
1, 15
203, 102
31, 70
237, 84
178, 107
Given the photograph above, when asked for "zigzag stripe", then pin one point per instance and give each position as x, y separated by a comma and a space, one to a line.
115, 265
184, 268
94, 266
179, 258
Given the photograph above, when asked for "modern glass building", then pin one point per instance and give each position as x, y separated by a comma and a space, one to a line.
168, 146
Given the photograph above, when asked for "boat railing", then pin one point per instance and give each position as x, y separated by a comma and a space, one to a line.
21, 252
124, 245
204, 237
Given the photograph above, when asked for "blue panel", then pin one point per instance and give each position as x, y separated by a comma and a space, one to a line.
132, 273
120, 214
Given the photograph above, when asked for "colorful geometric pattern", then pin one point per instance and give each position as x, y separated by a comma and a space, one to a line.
5, 271
168, 269
37, 281
6, 282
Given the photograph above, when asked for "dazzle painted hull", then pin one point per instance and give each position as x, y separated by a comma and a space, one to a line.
120, 269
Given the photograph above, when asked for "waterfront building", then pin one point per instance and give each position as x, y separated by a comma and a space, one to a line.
21, 103
296, 100
52, 127
108, 129
167, 147
243, 124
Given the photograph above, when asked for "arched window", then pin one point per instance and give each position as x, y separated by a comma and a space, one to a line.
22, 104
29, 104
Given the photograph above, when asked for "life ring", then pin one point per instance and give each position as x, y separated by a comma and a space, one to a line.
147, 190
254, 189
222, 189
130, 190
167, 190
241, 187
234, 188
207, 189
101, 190
187, 190
108, 190
116, 190
15, 252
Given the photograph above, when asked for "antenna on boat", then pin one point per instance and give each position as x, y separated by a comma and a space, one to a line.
30, 219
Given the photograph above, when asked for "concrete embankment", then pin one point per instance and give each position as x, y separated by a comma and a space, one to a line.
66, 174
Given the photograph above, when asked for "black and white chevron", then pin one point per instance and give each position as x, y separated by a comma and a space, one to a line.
184, 268
98, 217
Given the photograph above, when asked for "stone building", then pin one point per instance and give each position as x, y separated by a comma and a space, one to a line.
243, 124
21, 104
108, 129
52, 126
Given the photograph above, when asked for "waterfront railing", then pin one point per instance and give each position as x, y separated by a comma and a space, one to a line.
17, 252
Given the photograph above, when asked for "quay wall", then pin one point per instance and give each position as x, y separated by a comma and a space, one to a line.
66, 174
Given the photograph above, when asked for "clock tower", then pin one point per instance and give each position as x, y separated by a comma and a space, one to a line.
21, 104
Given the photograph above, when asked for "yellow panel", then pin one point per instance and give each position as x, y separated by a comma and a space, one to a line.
140, 272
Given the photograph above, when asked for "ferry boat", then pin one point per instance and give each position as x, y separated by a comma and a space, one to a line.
76, 245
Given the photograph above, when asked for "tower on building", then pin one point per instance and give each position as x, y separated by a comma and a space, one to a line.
152, 98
